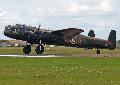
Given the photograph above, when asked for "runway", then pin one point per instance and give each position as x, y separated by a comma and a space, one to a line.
63, 55
27, 56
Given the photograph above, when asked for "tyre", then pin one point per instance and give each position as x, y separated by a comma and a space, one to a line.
27, 49
39, 49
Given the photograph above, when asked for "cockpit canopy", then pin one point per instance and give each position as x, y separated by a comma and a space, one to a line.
19, 28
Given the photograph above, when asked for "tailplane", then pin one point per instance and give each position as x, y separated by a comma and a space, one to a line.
112, 39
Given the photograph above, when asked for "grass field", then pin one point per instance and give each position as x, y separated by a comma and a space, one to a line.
57, 50
59, 71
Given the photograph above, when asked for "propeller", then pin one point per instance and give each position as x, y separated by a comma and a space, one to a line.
39, 27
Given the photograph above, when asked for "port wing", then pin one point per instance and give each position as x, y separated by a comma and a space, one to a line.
68, 32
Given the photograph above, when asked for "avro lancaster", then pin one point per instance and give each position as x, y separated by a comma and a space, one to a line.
70, 37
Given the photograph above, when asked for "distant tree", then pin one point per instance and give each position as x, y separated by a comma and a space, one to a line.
3, 40
118, 42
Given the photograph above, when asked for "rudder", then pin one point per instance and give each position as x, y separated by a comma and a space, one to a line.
112, 39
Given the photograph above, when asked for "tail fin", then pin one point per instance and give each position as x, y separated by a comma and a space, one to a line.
112, 39
91, 33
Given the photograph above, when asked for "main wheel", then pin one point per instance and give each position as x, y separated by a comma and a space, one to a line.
39, 49
27, 49
98, 51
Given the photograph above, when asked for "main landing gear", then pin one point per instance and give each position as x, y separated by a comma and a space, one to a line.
39, 49
27, 49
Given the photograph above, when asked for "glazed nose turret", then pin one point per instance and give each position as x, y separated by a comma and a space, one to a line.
7, 30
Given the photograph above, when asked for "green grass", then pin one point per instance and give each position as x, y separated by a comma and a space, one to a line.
56, 50
59, 71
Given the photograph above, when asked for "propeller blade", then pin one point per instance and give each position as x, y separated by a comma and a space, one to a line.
39, 27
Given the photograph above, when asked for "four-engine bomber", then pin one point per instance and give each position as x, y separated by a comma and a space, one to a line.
66, 37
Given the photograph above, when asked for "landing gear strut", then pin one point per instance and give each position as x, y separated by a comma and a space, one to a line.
27, 49
39, 49
98, 51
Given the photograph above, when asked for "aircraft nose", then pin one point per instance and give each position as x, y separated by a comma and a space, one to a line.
6, 32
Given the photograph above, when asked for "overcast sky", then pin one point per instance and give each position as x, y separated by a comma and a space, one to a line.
99, 15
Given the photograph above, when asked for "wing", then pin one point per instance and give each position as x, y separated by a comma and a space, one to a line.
68, 32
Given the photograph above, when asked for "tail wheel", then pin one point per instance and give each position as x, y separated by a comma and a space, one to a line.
98, 51
27, 49
39, 49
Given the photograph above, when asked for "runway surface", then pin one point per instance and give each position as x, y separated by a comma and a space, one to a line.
63, 55
27, 56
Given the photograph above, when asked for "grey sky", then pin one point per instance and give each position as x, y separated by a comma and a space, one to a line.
100, 15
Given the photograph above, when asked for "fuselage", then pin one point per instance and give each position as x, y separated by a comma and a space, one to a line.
51, 39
